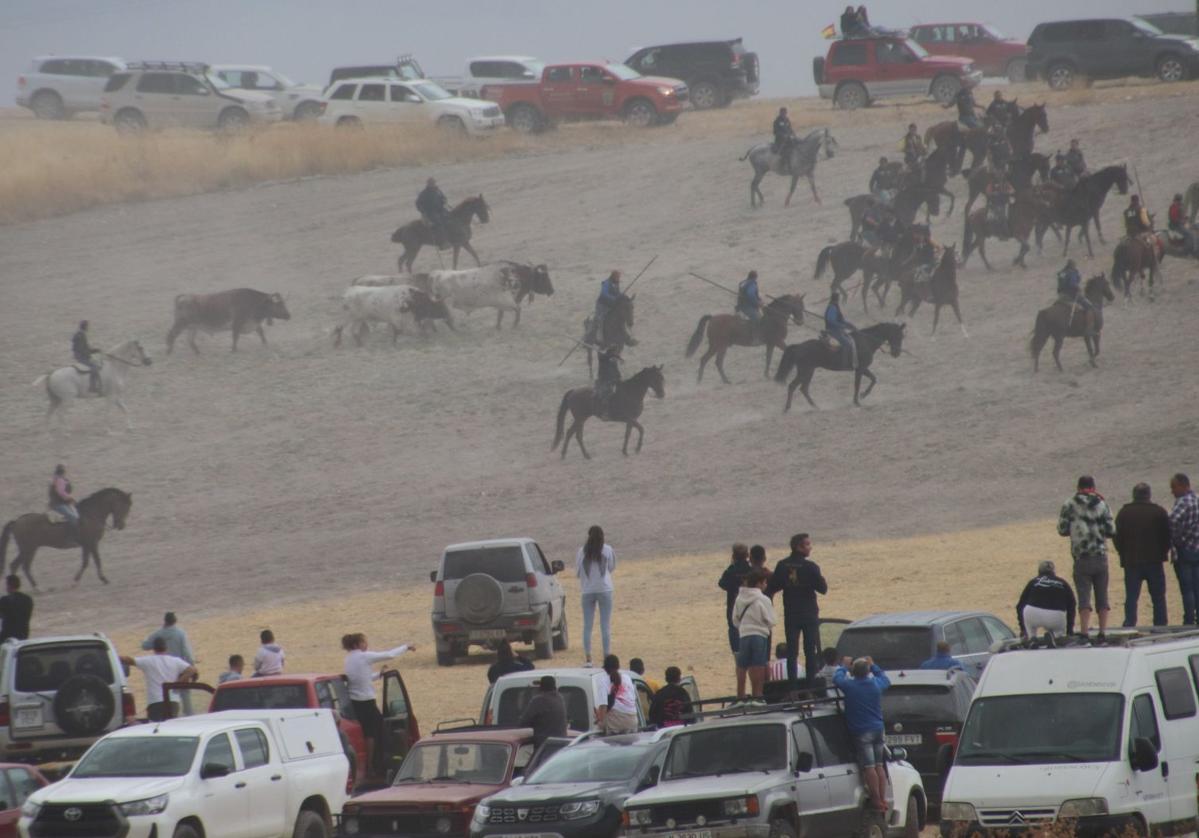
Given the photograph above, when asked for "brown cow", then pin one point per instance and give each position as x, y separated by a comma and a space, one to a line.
241, 311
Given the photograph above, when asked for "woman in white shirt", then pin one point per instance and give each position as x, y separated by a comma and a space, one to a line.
594, 566
619, 713
359, 680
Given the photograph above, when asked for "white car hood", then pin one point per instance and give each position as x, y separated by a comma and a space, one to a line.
705, 788
1005, 786
464, 102
250, 97
100, 789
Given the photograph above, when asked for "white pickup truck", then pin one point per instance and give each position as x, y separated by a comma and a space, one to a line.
233, 774
491, 69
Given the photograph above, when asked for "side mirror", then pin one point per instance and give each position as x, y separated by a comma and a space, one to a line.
804, 763
516, 781
213, 769
651, 778
557, 566
432, 575
1144, 755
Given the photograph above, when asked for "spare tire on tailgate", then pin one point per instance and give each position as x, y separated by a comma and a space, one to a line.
479, 598
84, 705
818, 70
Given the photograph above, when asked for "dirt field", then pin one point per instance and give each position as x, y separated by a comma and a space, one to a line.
282, 483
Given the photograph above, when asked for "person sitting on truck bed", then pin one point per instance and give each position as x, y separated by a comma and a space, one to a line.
863, 691
672, 704
1046, 603
507, 662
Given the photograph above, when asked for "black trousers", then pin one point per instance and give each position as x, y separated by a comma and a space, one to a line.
809, 627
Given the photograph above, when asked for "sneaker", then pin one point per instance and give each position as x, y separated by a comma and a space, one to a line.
587, 664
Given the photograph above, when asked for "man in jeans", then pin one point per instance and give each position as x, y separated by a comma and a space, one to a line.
1143, 541
863, 691
1184, 535
1087, 521
730, 583
798, 577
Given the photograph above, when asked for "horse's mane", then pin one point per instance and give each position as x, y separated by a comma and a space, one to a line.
102, 493
473, 199
121, 347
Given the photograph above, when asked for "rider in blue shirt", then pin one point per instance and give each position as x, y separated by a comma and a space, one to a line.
840, 329
609, 293
749, 298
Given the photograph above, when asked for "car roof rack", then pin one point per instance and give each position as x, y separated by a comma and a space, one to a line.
462, 724
1115, 638
181, 66
795, 703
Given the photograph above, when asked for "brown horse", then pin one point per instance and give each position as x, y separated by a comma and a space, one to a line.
1023, 217
805, 358
846, 259
940, 290
1133, 256
625, 405
725, 330
1020, 175
1066, 320
416, 234
950, 134
34, 530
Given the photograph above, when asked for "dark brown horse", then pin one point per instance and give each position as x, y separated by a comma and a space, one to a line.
1134, 256
1020, 131
725, 330
416, 234
1020, 175
805, 358
951, 135
625, 405
34, 530
1065, 320
617, 329
1023, 216
1081, 205
846, 259
940, 290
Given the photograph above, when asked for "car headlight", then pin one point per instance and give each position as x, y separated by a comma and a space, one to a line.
666, 91
349, 824
443, 826
1083, 807
482, 813
30, 809
641, 817
149, 806
579, 809
958, 812
739, 807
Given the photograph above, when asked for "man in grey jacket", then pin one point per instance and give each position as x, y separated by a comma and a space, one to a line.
545, 712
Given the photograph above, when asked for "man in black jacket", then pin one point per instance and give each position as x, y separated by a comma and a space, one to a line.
730, 583
1143, 541
16, 609
798, 577
1047, 602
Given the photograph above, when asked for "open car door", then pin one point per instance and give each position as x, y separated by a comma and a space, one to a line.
400, 728
187, 698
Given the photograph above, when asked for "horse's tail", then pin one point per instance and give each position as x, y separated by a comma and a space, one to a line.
4, 536
1119, 268
822, 261
698, 336
786, 363
747, 154
561, 426
1040, 334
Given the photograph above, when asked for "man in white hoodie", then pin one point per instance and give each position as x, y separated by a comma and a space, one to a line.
753, 615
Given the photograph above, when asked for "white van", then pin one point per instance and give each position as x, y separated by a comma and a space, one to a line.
1105, 736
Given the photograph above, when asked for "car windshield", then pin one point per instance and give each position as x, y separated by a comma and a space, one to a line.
141, 756
1145, 26
911, 703
1042, 729
218, 82
734, 749
455, 762
282, 79
430, 91
603, 763
535, 67
891, 647
622, 72
265, 697
916, 49
993, 32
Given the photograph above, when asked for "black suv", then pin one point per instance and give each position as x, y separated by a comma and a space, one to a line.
716, 72
1069, 51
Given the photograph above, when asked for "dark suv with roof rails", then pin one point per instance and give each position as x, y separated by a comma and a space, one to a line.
1068, 52
716, 72
906, 640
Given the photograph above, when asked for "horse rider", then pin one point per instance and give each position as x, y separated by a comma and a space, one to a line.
607, 377
434, 208
82, 352
1178, 228
1062, 173
1000, 109
878, 227
1136, 219
840, 330
609, 294
999, 201
913, 149
999, 149
749, 302
61, 499
967, 107
923, 260
1074, 158
784, 136
882, 181
1069, 289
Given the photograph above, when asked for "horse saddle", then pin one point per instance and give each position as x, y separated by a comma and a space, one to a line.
55, 517
84, 370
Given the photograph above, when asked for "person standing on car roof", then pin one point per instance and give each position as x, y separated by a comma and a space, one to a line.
1087, 521
863, 688
730, 583
799, 578
1046, 603
1143, 541
1184, 535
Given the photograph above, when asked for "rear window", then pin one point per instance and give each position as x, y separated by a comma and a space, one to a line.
891, 647
514, 700
847, 55
116, 82
505, 564
265, 697
45, 668
919, 704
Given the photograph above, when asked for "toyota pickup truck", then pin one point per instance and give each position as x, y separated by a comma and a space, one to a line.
257, 774
588, 90
491, 69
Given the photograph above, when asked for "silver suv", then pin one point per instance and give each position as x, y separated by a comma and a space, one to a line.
504, 589
58, 695
161, 94
296, 100
58, 86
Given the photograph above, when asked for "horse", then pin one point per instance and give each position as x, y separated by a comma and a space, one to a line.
928, 190
1081, 205
800, 160
887, 269
1191, 201
1132, 257
73, 382
1020, 131
34, 530
941, 290
416, 234
1020, 175
846, 259
1023, 217
625, 405
950, 137
616, 328
1061, 320
725, 330
805, 358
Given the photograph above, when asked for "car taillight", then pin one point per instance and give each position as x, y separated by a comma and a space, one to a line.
736, 60
21, 82
946, 736
4, 713
439, 588
128, 707
531, 580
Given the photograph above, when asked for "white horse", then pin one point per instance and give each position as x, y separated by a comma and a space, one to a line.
73, 382
800, 161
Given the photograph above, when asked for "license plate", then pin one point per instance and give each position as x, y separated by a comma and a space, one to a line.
27, 717
904, 739
488, 634
702, 833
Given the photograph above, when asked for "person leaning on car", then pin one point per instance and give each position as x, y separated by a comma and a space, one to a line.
545, 712
1142, 540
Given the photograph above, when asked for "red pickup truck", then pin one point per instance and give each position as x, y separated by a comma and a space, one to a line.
591, 90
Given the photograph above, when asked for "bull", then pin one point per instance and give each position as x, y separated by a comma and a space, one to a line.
241, 311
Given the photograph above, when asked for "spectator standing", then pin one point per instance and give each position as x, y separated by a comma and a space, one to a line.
863, 688
619, 715
1046, 603
1142, 540
943, 659
175, 637
829, 656
16, 610
757, 558
359, 680
545, 712
753, 614
672, 704
799, 578
1087, 521
269, 658
157, 669
730, 583
594, 566
237, 665
637, 665
508, 661
1184, 535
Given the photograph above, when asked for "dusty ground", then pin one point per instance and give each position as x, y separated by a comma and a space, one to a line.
303, 474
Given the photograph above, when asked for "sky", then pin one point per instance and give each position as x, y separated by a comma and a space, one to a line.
306, 38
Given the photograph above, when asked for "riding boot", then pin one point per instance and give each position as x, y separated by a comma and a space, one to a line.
94, 383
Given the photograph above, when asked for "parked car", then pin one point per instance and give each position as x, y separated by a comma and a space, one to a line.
1085, 735
380, 101
990, 50
790, 772
716, 72
440, 782
858, 71
906, 640
580, 792
491, 69
595, 90
164, 94
1173, 23
405, 67
255, 774
297, 101
17, 782
924, 710
503, 589
58, 87
60, 694
1068, 52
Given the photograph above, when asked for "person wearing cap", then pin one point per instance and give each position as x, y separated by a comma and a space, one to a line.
82, 352
1179, 229
1075, 159
545, 712
61, 499
1061, 173
431, 203
173, 636
1047, 602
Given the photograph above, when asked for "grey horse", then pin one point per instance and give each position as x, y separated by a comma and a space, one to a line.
801, 157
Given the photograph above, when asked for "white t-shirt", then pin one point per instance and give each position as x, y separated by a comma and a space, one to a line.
591, 580
626, 696
359, 675
159, 670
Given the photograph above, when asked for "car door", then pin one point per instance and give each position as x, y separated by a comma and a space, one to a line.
836, 757
22, 782
554, 594
399, 724
558, 90
371, 104
1087, 42
405, 105
341, 101
196, 103
154, 95
264, 783
974, 642
1151, 789
1128, 52
900, 71
226, 801
811, 786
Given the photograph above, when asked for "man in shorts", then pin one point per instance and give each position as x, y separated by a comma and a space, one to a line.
1087, 521
863, 682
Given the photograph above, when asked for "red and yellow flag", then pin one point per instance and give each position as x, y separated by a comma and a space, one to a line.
829, 32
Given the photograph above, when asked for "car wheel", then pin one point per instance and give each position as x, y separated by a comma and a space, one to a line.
452, 125
1060, 76
911, 826
310, 825
1170, 68
47, 104
525, 119
640, 113
186, 830
233, 120
562, 639
782, 829
445, 658
1017, 70
129, 122
705, 95
944, 88
543, 646
873, 824
851, 96
349, 122
307, 111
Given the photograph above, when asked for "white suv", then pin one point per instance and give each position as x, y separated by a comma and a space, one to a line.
58, 87
488, 591
297, 101
381, 100
161, 94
